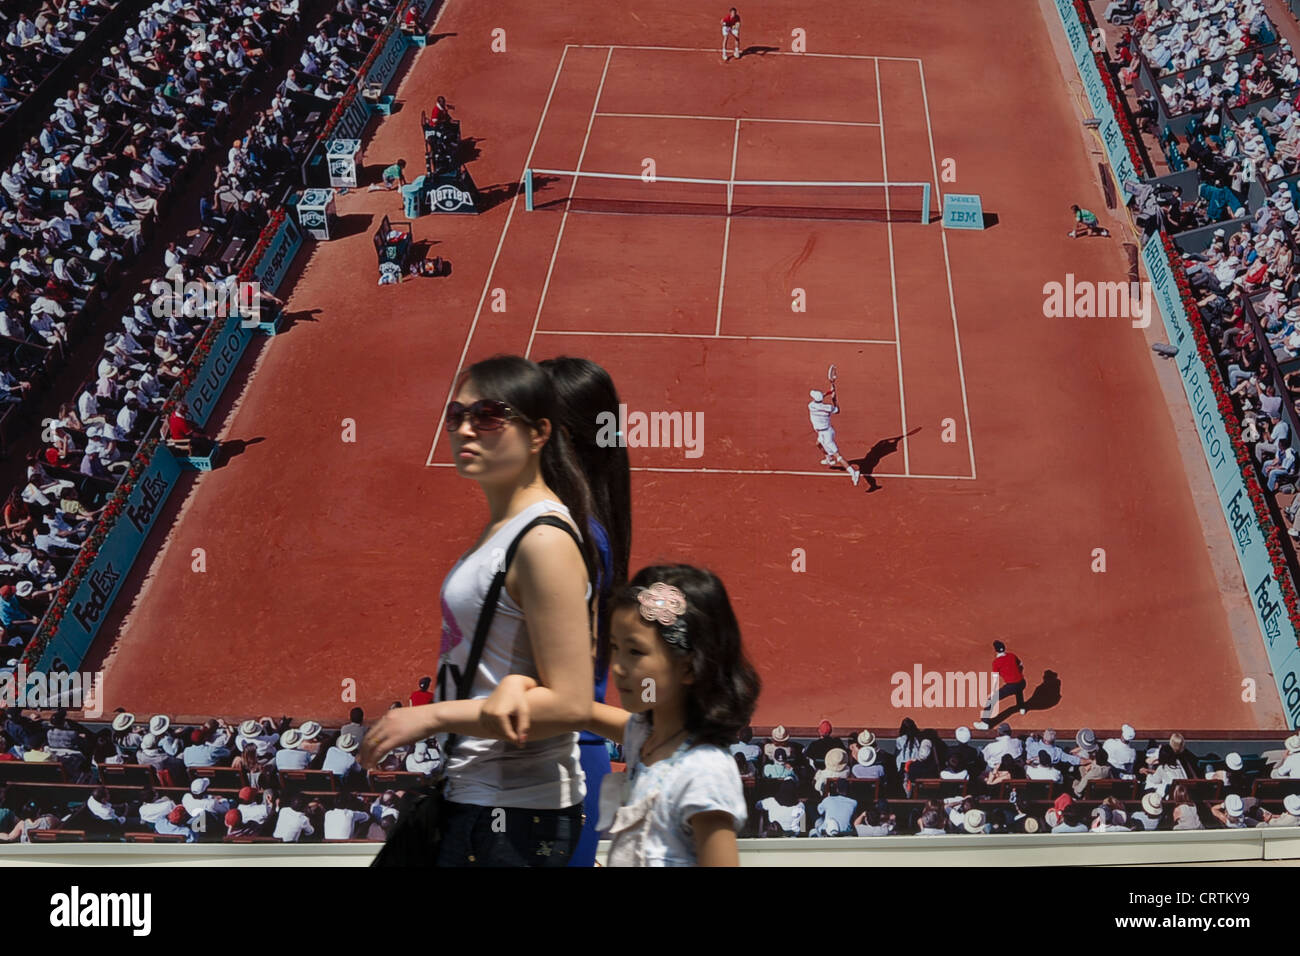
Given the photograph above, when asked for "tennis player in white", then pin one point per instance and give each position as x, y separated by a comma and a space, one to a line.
820, 410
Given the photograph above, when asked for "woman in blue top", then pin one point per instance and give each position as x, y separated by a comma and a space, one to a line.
586, 394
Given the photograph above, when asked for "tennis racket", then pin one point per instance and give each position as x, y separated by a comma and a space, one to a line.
831, 374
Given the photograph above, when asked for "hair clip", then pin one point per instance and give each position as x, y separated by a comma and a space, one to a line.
664, 605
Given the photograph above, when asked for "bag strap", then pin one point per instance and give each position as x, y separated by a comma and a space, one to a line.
465, 680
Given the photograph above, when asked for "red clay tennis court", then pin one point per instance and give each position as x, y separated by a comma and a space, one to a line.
1004, 447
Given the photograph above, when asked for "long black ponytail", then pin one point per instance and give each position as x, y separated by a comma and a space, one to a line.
588, 401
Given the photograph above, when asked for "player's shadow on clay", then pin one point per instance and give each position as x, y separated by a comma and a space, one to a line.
1045, 696
759, 50
868, 462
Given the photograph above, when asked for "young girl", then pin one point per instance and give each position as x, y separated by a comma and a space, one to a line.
687, 690
504, 438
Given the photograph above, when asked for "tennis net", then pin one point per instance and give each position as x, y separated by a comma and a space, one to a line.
567, 190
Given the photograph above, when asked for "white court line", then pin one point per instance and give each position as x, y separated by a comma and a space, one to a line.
743, 119
693, 335
947, 266
690, 49
586, 140
487, 282
726, 232
768, 471
893, 281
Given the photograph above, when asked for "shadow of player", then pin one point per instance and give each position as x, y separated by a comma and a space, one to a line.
1045, 696
759, 50
868, 462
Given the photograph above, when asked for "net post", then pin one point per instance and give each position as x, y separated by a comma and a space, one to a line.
528, 190
925, 204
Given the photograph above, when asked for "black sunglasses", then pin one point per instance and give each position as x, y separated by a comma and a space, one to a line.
485, 415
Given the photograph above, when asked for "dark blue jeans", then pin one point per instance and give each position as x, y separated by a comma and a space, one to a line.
506, 836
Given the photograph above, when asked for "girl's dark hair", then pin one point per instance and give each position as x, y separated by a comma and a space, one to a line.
721, 700
587, 398
526, 387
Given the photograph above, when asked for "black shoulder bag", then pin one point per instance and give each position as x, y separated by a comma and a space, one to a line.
415, 839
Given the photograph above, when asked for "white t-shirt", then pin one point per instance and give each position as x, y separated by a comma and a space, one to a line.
291, 825
339, 824
819, 413
543, 774
790, 818
695, 779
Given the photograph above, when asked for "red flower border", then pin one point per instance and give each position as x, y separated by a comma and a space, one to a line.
1269, 527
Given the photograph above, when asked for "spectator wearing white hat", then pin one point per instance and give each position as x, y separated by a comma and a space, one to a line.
311, 731
1289, 818
837, 768
292, 824
1120, 752
198, 801
255, 732
340, 759
424, 759
291, 756
1232, 813
1233, 774
1152, 813
866, 766
1290, 765
780, 738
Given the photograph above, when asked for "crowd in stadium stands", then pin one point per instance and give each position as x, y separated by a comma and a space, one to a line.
919, 784
258, 778
76, 205
38, 35
269, 779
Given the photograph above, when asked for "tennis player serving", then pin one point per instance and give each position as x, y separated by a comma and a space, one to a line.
820, 410
731, 28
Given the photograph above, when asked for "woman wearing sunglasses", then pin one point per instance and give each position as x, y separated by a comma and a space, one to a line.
507, 805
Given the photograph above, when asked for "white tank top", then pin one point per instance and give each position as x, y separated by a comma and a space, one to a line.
544, 774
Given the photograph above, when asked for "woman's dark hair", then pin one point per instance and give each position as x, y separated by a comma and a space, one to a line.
527, 388
726, 687
742, 765
787, 793
588, 399
908, 730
